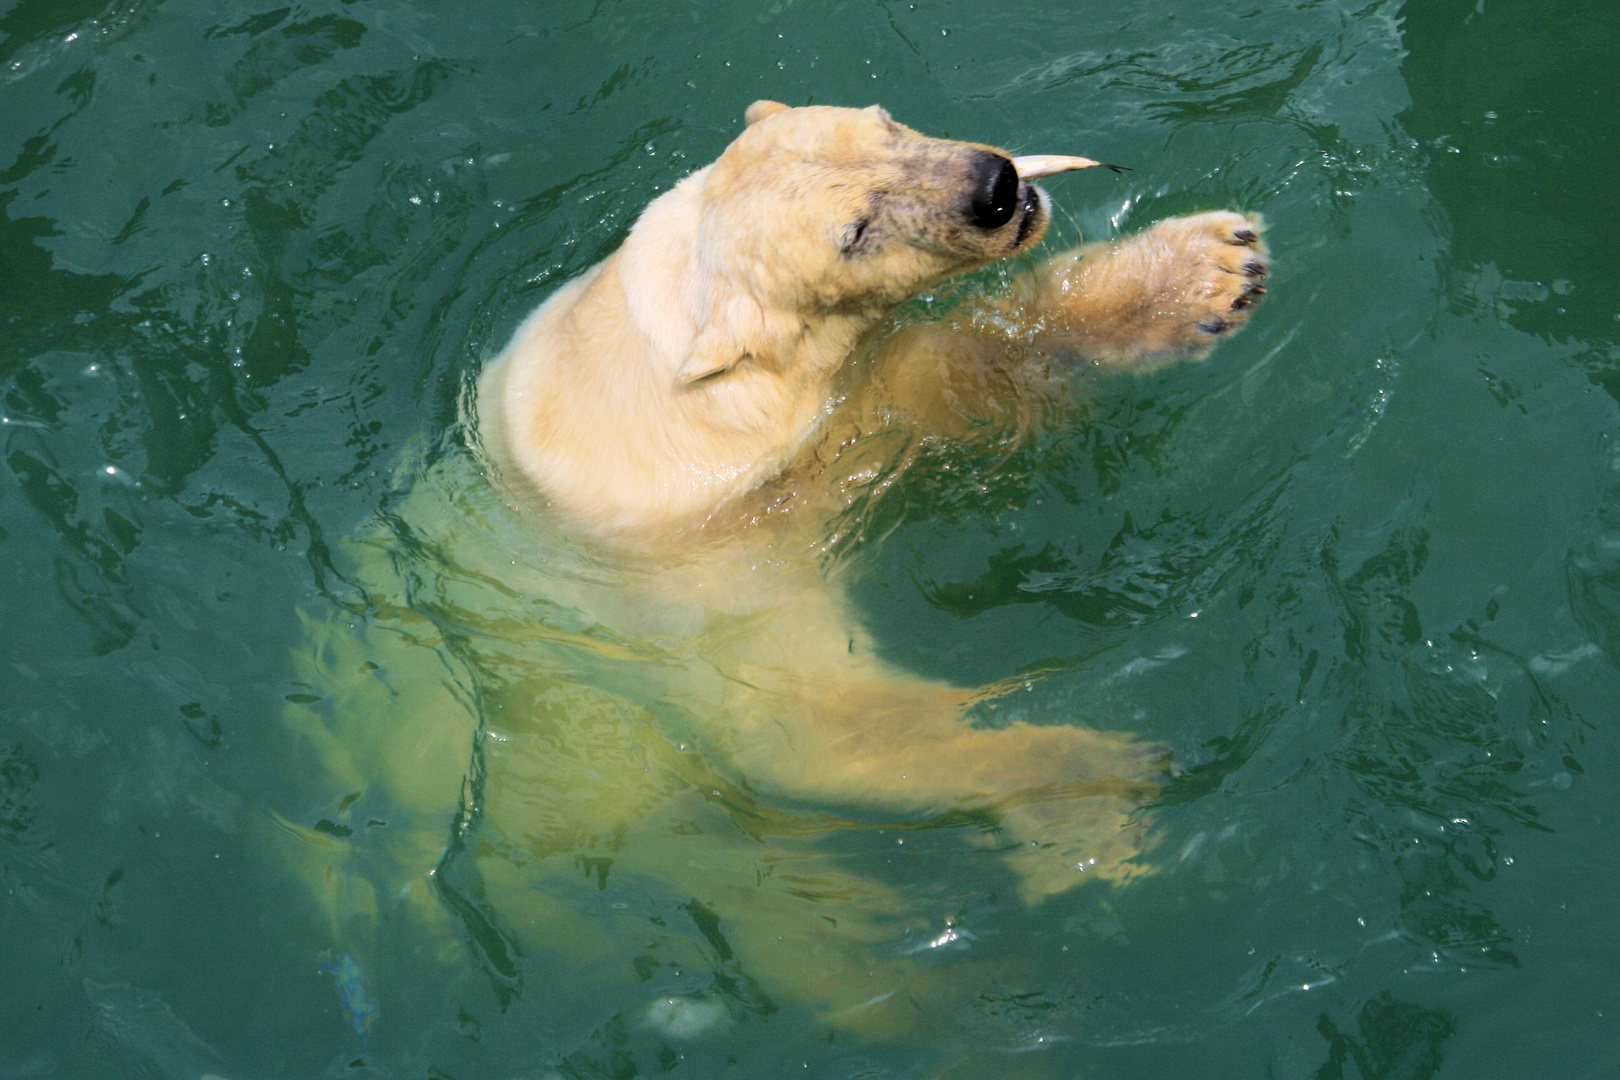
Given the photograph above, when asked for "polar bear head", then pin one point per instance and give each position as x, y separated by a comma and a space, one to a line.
831, 208
820, 213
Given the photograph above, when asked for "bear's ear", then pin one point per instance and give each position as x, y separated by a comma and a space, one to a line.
759, 110
881, 113
734, 331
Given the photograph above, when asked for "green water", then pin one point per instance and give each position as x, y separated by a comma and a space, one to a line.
1361, 570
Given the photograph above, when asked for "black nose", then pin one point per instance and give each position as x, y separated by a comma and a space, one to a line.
995, 192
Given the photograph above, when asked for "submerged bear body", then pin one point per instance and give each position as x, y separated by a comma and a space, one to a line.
609, 679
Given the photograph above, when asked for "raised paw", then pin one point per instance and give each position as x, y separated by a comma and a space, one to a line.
1207, 274
1169, 293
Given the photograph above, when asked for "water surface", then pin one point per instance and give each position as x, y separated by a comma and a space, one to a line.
1361, 569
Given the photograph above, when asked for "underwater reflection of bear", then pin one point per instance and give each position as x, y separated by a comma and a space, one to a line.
640, 634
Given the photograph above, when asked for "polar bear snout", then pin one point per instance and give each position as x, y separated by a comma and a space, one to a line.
995, 194
998, 195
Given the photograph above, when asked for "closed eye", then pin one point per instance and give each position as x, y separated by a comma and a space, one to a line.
856, 237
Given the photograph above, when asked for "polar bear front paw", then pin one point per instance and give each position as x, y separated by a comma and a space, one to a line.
1169, 293
1211, 271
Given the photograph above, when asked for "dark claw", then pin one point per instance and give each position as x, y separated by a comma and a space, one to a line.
1214, 326
1245, 236
1251, 294
1255, 267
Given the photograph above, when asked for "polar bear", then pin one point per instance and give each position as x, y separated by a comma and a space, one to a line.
665, 399
664, 386
638, 636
